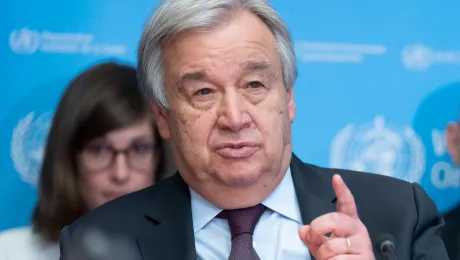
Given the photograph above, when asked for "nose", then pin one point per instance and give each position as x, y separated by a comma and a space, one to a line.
120, 173
233, 114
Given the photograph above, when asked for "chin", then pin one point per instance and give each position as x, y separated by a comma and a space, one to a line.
240, 179
102, 201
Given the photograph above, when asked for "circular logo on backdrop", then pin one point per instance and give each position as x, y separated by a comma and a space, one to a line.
442, 176
379, 148
24, 41
417, 57
28, 143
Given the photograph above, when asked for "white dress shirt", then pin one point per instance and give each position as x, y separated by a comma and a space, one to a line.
276, 236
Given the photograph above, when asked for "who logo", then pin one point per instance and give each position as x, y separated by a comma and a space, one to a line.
379, 148
24, 41
28, 143
417, 57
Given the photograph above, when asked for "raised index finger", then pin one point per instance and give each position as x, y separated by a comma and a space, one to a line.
345, 200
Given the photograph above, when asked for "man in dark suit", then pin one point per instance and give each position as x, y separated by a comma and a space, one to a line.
451, 232
221, 73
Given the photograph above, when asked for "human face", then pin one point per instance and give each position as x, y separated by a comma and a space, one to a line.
453, 141
121, 162
230, 115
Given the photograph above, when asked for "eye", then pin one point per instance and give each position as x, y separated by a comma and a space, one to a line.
97, 149
255, 84
204, 91
141, 148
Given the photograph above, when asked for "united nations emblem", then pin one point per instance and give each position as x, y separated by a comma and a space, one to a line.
27, 145
379, 148
24, 41
417, 57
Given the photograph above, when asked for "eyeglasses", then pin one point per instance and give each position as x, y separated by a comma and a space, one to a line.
139, 156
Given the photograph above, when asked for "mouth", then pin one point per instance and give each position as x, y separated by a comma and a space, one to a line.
237, 150
114, 195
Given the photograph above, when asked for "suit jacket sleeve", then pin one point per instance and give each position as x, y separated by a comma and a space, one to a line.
427, 243
70, 249
73, 247
95, 244
65, 243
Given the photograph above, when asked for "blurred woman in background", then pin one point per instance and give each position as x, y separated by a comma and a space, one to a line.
451, 231
103, 143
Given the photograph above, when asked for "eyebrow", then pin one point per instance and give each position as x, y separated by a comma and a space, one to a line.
251, 66
195, 75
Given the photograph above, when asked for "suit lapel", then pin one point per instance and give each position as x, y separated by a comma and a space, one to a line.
314, 190
168, 232
313, 186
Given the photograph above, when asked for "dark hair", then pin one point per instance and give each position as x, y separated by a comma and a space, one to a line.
101, 99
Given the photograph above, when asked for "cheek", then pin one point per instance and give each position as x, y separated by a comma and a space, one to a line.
279, 124
92, 181
194, 128
87, 179
90, 186
141, 180
274, 124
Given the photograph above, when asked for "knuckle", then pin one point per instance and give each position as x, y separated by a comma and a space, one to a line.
329, 246
326, 250
335, 217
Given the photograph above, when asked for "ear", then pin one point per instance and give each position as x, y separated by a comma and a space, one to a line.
453, 142
162, 122
291, 104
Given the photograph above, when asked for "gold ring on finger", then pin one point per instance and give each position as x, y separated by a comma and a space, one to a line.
348, 246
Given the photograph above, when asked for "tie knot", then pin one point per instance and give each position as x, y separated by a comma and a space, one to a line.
243, 220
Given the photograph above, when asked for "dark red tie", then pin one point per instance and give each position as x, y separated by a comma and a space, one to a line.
242, 223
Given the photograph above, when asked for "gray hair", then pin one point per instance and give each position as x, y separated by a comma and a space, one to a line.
175, 16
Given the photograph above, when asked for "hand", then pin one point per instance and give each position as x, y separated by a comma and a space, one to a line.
349, 237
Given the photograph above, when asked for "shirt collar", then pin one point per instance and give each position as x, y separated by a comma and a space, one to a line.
282, 200
202, 211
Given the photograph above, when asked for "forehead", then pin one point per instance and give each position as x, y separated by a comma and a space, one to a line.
143, 129
243, 39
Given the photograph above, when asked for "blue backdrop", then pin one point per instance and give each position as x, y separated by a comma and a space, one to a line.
378, 82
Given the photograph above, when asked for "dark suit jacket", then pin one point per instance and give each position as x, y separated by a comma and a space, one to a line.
156, 223
451, 233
